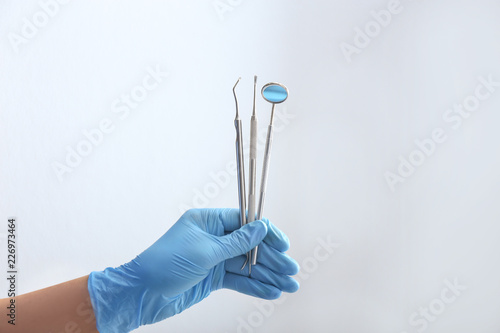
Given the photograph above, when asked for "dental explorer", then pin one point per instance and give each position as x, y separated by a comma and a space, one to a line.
274, 93
240, 161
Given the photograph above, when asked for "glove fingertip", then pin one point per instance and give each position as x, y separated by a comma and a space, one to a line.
273, 294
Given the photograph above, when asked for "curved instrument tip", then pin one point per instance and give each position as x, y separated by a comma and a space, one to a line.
236, 83
235, 98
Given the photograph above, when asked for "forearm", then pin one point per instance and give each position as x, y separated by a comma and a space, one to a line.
61, 308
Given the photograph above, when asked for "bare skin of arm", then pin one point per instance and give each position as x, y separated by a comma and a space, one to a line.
63, 308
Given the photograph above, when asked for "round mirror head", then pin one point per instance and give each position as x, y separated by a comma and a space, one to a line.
274, 92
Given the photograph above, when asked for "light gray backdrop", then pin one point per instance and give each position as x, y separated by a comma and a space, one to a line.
385, 163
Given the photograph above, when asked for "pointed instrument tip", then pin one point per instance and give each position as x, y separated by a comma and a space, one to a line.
236, 83
235, 98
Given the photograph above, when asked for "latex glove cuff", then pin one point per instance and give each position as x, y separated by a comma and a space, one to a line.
115, 299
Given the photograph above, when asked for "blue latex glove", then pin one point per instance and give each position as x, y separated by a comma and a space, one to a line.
202, 252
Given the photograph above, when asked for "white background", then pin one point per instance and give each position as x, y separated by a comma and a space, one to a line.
348, 124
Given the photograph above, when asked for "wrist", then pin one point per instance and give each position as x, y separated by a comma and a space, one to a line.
116, 297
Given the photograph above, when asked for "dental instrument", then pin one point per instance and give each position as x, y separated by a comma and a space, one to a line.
252, 163
240, 162
274, 93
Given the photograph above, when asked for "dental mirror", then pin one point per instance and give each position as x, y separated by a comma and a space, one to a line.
274, 93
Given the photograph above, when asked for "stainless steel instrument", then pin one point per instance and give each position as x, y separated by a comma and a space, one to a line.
274, 93
240, 161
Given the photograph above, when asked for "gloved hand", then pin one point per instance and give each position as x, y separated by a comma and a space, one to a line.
202, 252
